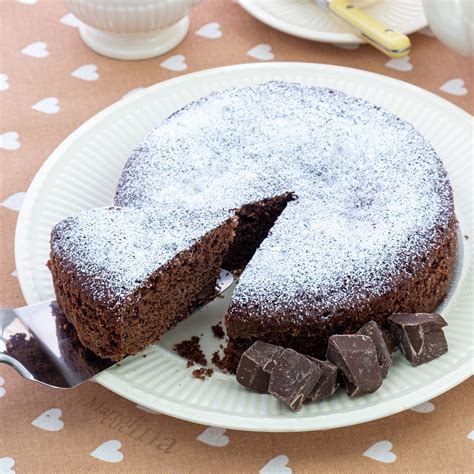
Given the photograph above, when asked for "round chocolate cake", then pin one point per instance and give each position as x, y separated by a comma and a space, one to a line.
360, 203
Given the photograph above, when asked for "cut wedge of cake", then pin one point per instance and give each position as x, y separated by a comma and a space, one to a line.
124, 276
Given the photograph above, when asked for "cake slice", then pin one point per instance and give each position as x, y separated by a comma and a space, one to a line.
124, 276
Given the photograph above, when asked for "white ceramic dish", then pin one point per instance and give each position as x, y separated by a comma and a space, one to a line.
303, 18
139, 29
83, 171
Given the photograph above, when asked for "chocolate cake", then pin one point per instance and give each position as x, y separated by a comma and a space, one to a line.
124, 276
372, 230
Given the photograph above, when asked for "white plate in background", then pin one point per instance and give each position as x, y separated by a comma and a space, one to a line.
305, 19
83, 171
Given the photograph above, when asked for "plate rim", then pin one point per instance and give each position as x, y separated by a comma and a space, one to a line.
274, 423
203, 416
261, 15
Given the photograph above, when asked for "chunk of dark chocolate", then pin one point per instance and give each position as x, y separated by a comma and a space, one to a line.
419, 335
383, 342
293, 378
356, 357
256, 364
327, 383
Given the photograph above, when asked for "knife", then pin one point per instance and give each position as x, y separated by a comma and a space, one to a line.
390, 42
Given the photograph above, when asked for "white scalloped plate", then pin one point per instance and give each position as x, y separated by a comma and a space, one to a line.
303, 18
83, 172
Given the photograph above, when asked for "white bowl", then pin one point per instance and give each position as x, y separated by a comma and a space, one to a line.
132, 29
452, 23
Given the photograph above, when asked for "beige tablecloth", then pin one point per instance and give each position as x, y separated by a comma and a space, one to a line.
89, 429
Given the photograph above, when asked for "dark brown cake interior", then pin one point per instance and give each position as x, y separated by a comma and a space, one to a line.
255, 222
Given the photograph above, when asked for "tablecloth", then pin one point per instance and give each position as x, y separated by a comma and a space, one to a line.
50, 83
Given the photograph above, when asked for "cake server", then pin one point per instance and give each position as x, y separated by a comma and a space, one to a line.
392, 43
42, 346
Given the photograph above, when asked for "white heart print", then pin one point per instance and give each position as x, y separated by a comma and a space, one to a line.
38, 49
426, 407
4, 85
14, 273
211, 31
175, 63
50, 105
400, 64
2, 390
382, 452
6, 465
214, 436
471, 435
27, 2
70, 20
108, 451
50, 420
10, 141
277, 465
262, 52
88, 72
454, 87
14, 201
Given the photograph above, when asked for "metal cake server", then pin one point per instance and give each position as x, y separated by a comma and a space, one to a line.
40, 343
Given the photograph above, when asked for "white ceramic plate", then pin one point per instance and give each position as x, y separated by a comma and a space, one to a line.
305, 19
83, 172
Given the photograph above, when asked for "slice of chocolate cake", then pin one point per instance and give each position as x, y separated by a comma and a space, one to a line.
124, 276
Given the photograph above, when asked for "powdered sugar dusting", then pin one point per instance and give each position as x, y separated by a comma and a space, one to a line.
113, 250
372, 193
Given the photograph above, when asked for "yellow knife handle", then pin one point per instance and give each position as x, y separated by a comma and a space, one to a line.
392, 43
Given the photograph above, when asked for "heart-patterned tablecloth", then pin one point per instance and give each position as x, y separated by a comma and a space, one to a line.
50, 83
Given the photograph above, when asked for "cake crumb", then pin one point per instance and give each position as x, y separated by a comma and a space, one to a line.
466, 237
203, 373
218, 361
218, 331
189, 363
191, 350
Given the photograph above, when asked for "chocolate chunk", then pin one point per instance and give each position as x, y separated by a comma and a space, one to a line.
383, 342
356, 357
293, 378
327, 383
256, 364
419, 335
